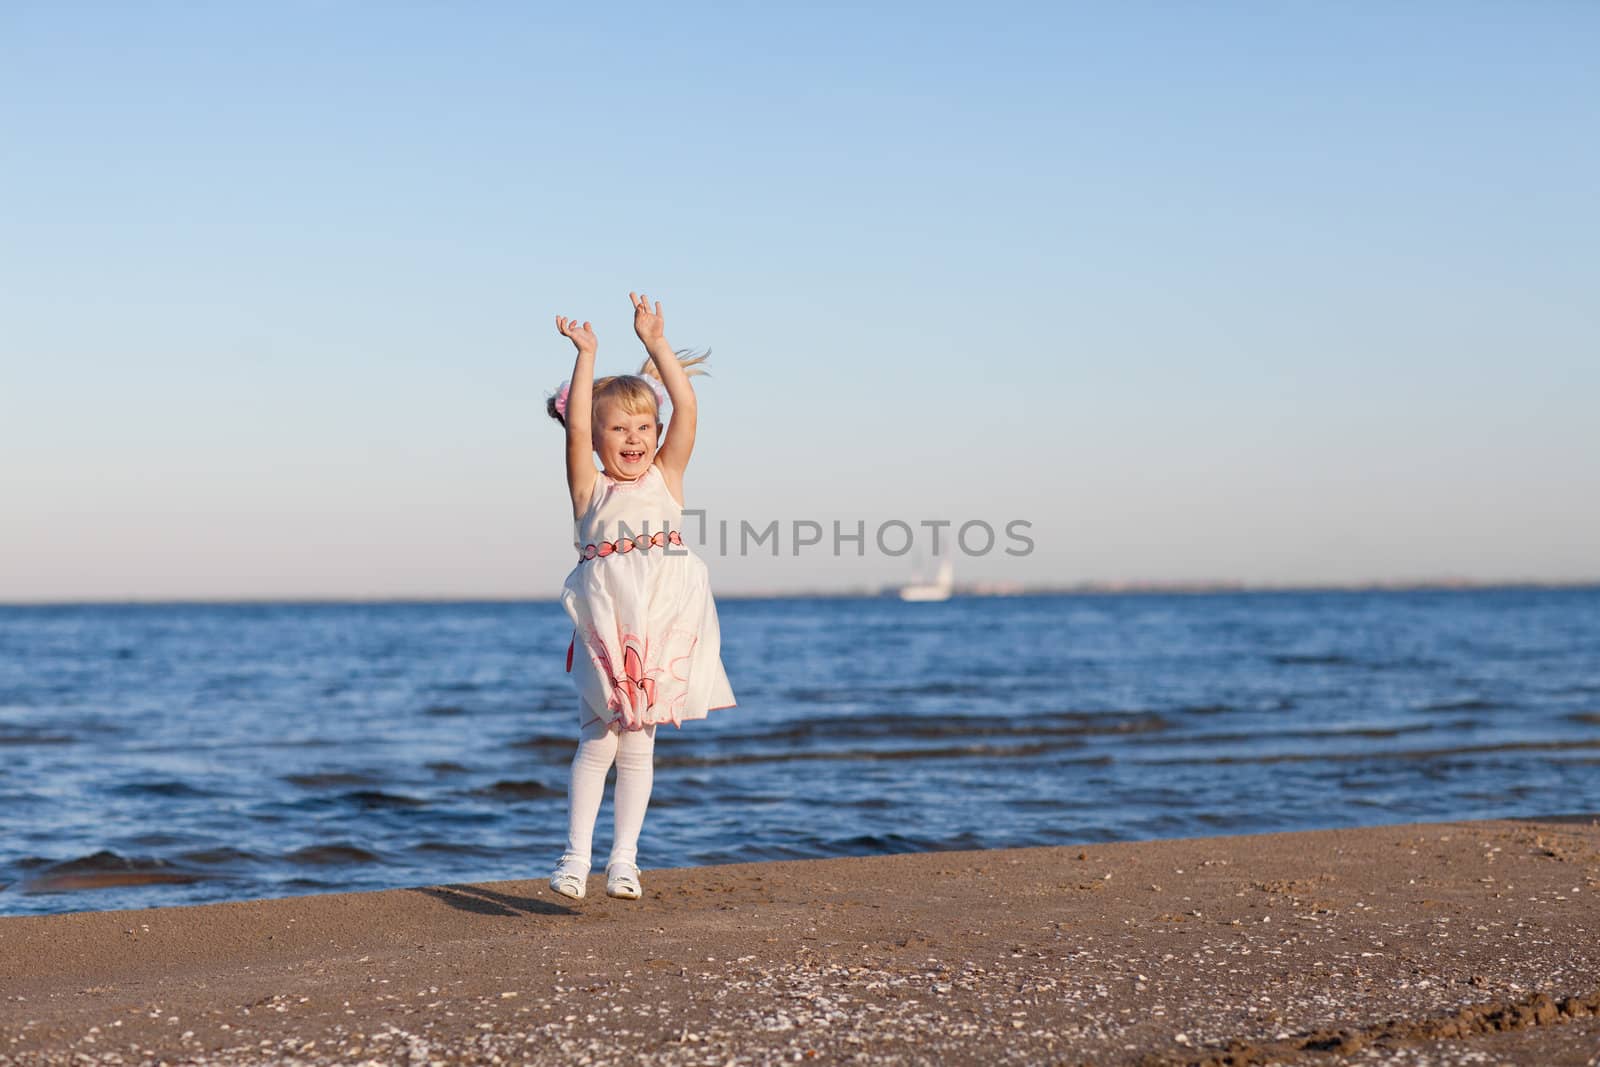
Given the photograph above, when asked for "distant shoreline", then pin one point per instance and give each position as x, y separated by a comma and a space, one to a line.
971, 591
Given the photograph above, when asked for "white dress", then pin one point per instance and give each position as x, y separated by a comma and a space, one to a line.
646, 645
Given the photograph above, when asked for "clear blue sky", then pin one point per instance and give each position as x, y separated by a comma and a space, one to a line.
1266, 292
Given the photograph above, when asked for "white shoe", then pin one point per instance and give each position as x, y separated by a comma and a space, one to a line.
622, 881
571, 878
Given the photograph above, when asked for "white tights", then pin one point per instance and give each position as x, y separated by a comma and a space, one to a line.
634, 753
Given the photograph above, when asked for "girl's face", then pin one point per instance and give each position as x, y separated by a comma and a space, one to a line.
626, 444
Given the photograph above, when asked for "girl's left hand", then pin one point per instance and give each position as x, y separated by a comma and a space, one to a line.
646, 323
582, 337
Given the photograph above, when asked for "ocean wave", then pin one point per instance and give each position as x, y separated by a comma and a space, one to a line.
1035, 748
1331, 733
332, 779
377, 798
106, 870
519, 790
221, 856
546, 742
168, 788
335, 853
1468, 704
452, 848
36, 737
865, 727
1404, 755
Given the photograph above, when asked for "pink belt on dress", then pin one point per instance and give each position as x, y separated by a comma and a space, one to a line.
660, 539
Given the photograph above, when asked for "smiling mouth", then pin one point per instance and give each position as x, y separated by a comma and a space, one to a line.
632, 457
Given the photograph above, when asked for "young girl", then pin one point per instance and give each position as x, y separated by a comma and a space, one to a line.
646, 648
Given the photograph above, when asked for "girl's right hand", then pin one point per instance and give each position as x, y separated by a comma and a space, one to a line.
581, 336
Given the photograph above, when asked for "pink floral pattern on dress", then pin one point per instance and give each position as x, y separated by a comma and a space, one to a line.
678, 666
634, 690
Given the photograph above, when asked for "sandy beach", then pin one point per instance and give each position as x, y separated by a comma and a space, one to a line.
1417, 944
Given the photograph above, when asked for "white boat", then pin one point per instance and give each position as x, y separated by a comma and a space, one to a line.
938, 589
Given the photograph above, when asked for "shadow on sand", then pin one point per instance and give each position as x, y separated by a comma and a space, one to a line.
482, 901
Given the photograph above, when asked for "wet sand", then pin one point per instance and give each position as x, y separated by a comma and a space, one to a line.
1449, 943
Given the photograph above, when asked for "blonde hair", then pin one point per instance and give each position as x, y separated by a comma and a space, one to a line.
631, 392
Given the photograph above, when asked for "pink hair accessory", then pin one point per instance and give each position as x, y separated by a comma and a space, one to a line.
661, 394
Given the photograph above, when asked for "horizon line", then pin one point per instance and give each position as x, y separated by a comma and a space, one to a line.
969, 591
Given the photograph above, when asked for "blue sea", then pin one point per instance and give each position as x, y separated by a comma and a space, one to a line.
177, 754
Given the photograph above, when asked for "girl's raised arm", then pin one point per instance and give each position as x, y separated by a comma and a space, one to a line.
580, 410
673, 456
